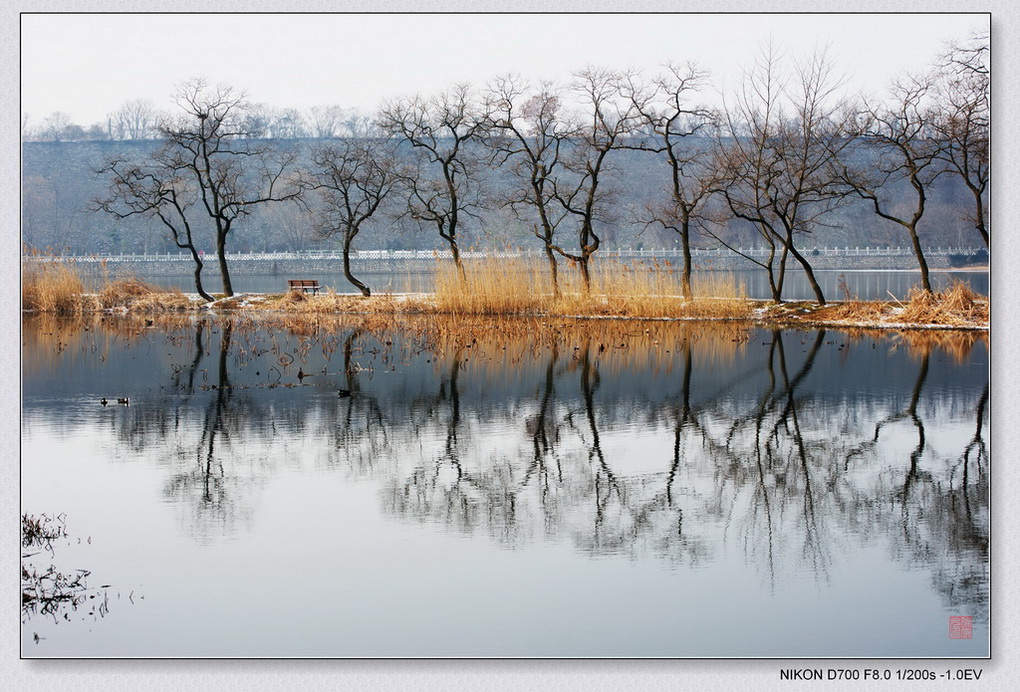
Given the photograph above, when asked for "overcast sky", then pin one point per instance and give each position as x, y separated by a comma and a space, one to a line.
88, 65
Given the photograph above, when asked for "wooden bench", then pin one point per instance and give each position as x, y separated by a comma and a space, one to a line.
304, 285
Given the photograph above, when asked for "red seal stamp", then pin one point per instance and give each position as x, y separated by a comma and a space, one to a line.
960, 627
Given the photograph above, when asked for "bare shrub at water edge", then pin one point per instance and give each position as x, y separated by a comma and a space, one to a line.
293, 298
853, 311
162, 301
955, 306
122, 292
135, 294
52, 284
56, 284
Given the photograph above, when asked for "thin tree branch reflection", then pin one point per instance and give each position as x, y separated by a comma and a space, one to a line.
217, 499
621, 440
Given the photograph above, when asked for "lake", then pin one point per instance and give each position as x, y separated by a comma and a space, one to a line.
357, 487
863, 284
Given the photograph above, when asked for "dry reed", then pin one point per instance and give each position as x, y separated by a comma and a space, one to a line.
53, 285
499, 287
519, 287
135, 294
957, 305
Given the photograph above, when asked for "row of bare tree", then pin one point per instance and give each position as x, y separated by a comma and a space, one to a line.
140, 119
786, 152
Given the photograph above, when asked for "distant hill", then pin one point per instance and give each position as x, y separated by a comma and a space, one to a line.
58, 184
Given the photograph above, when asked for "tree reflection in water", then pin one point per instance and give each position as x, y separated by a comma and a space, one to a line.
680, 442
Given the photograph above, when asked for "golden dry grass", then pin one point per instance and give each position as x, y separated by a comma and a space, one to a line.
330, 302
492, 287
135, 294
496, 288
53, 286
520, 287
958, 305
59, 285
853, 311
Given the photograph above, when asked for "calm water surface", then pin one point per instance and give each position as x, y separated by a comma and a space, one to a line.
634, 489
866, 285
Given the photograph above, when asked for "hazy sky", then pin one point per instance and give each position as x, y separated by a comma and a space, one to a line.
88, 65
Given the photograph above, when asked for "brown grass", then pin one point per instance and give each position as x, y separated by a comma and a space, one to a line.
330, 302
135, 294
854, 311
59, 285
492, 287
958, 305
516, 287
520, 287
52, 285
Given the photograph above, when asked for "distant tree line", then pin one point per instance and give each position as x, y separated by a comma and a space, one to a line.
787, 153
139, 119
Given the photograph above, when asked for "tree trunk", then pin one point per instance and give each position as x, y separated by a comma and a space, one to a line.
781, 278
585, 273
365, 290
221, 253
198, 274
456, 260
810, 275
455, 251
553, 270
685, 276
979, 210
919, 253
777, 291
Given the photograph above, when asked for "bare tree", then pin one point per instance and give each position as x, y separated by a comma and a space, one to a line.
262, 121
154, 190
908, 148
55, 127
325, 121
963, 120
358, 124
605, 122
529, 135
779, 166
289, 124
232, 173
673, 122
137, 119
443, 187
744, 164
354, 177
